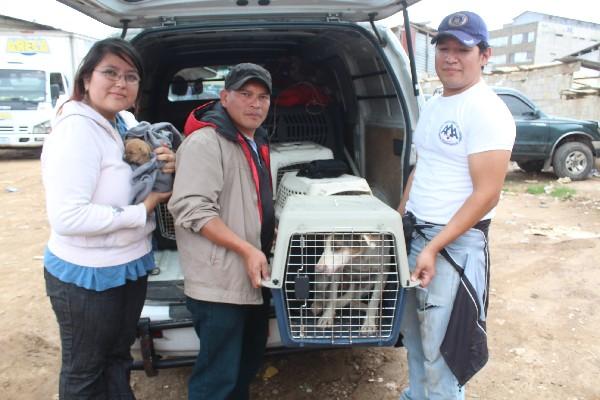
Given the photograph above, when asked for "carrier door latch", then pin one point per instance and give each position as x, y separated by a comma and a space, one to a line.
301, 287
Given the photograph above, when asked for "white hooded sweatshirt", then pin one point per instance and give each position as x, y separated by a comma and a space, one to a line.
87, 186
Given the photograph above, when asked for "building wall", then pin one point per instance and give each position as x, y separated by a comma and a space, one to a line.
423, 49
534, 39
556, 40
424, 54
542, 85
519, 39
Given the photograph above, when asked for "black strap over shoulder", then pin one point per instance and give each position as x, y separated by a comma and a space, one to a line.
408, 226
464, 347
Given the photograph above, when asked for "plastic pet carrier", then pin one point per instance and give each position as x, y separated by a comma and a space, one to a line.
293, 156
338, 271
291, 184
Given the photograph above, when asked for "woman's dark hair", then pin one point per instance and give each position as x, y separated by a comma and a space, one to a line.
119, 47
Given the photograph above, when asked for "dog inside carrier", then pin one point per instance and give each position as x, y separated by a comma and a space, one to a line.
337, 271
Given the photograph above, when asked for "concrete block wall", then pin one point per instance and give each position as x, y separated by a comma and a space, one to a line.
542, 85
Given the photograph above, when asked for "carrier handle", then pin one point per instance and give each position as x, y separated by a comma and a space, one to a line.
270, 284
412, 284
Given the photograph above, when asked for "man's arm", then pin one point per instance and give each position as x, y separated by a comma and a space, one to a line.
404, 199
255, 261
487, 170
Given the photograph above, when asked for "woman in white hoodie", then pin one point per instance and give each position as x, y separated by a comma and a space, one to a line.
99, 251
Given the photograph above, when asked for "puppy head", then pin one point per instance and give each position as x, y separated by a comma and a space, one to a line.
341, 249
137, 151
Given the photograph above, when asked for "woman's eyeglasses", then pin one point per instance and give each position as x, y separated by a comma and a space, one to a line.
131, 78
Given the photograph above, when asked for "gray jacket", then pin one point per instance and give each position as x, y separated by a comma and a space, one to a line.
214, 180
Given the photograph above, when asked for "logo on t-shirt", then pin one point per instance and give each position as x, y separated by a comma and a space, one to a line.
450, 133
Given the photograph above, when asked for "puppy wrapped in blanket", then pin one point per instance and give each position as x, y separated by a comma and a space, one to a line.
140, 141
137, 152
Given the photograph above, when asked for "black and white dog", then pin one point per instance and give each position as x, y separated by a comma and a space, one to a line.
351, 271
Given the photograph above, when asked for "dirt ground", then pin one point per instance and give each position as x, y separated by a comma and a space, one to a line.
544, 316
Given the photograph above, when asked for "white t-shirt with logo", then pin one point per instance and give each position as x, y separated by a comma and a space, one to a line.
449, 130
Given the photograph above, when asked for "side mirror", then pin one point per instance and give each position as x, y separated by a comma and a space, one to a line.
54, 92
534, 114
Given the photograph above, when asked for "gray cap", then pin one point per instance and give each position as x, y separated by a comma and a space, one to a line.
242, 73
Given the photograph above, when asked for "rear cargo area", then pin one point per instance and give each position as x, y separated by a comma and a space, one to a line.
334, 97
330, 86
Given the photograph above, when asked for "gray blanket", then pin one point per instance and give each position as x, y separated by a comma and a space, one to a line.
148, 177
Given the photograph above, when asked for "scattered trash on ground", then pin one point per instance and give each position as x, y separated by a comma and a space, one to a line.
270, 372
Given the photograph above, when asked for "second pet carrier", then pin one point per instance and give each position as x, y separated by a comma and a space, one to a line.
293, 156
292, 184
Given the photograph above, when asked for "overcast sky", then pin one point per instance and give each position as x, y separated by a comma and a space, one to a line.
494, 12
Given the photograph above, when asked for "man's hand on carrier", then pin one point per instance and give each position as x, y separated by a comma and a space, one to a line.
425, 266
256, 266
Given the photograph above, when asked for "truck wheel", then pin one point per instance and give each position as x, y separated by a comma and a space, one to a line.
573, 160
531, 166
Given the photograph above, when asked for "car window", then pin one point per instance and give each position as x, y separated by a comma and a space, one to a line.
198, 83
56, 79
518, 108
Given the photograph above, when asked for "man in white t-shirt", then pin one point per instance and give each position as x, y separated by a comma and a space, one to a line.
463, 140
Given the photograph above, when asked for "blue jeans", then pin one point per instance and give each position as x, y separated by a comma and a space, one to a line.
97, 330
426, 315
232, 344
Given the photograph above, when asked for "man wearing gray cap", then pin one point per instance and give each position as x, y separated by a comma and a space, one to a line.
464, 138
222, 204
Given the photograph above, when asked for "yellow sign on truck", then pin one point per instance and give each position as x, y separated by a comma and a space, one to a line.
36, 72
26, 46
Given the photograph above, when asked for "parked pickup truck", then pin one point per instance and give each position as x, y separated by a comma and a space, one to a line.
569, 146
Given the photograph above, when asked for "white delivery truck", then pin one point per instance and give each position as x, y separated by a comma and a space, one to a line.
36, 69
